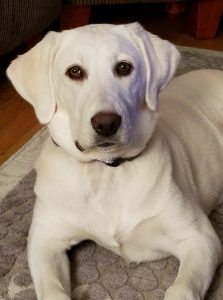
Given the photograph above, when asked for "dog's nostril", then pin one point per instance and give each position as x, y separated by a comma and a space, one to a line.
106, 123
100, 127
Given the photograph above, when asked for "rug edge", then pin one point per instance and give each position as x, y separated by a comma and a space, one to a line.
22, 161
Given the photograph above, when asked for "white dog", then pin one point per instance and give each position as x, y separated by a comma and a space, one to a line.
136, 179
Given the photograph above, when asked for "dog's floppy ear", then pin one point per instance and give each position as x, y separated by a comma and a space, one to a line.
31, 75
161, 59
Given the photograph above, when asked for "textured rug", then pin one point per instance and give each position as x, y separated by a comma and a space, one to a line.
97, 274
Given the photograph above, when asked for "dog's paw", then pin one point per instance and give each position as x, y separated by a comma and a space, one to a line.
181, 292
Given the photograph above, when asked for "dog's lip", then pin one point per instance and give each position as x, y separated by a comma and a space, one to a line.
79, 147
103, 145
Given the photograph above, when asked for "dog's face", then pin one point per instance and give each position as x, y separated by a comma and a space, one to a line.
97, 87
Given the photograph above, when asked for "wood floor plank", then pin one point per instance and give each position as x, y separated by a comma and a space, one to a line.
8, 113
22, 123
19, 142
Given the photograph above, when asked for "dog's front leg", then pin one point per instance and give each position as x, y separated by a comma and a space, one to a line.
200, 252
49, 266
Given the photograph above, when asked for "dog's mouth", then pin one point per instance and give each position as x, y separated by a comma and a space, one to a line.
106, 145
108, 148
102, 145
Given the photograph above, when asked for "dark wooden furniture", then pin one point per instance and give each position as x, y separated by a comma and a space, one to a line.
203, 15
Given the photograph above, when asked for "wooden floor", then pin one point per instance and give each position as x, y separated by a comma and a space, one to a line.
17, 120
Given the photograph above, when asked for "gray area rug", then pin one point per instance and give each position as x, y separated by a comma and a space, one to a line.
97, 274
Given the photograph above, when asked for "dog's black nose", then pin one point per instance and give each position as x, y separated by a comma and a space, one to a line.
106, 123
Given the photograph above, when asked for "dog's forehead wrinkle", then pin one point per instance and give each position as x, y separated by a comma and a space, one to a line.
94, 39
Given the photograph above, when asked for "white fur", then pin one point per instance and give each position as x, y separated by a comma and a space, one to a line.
150, 207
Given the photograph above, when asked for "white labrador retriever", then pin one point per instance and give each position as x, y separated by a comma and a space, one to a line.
138, 182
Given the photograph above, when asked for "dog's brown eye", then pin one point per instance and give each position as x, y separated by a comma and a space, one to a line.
76, 73
123, 68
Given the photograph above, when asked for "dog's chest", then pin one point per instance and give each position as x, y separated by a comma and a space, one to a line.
114, 203
102, 203
109, 206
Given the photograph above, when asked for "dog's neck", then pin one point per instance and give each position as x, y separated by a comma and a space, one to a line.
116, 162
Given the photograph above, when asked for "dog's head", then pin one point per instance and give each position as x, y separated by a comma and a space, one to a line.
97, 87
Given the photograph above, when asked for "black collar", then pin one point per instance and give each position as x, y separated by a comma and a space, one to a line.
116, 162
120, 160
